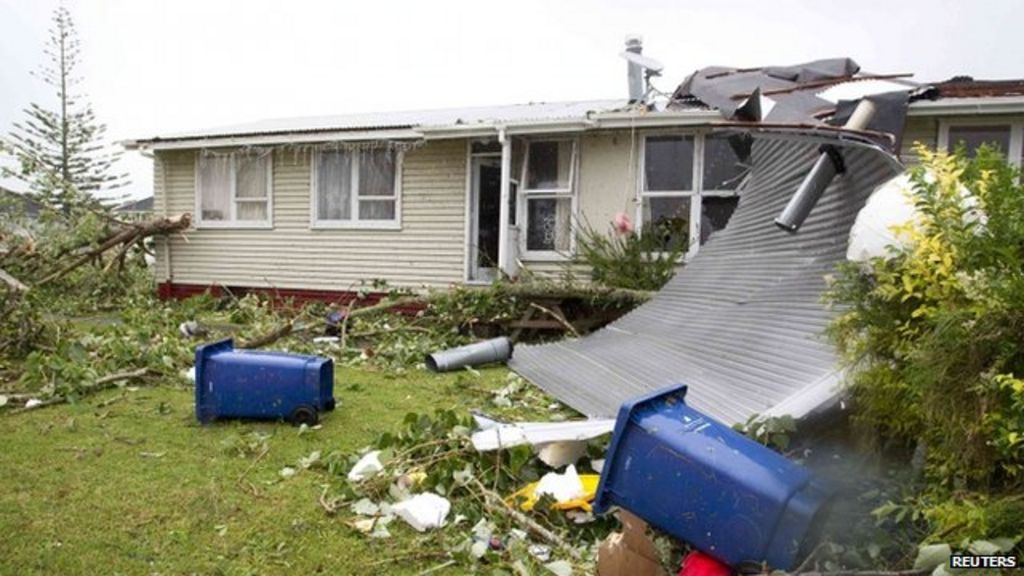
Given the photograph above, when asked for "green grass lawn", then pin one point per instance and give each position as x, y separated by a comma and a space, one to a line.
128, 483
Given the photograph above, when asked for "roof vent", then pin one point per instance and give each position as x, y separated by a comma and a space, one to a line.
634, 72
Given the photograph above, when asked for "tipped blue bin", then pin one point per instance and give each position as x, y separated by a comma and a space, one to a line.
706, 484
251, 384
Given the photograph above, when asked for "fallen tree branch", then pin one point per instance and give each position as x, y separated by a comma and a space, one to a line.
123, 237
292, 326
495, 504
12, 282
558, 318
103, 383
274, 335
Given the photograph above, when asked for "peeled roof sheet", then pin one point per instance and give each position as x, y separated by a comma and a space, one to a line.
742, 323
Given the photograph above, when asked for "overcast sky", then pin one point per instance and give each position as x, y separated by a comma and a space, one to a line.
152, 66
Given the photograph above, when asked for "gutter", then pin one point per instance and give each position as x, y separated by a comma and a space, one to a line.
967, 106
270, 139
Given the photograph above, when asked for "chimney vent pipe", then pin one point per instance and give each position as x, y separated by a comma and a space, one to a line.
635, 72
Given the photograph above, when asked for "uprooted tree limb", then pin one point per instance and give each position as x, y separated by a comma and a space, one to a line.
103, 383
12, 282
126, 236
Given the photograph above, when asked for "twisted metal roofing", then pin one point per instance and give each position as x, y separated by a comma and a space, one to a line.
742, 323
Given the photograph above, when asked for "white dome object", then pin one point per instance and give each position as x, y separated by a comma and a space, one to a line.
889, 205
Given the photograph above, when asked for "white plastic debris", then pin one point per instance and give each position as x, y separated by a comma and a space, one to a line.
326, 340
423, 511
597, 465
558, 454
366, 467
535, 433
559, 568
562, 487
33, 402
287, 472
365, 507
888, 206
307, 462
191, 329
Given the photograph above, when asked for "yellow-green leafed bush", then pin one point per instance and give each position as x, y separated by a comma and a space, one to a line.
933, 333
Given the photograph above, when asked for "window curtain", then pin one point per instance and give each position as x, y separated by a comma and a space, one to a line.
215, 187
251, 192
334, 185
377, 173
376, 180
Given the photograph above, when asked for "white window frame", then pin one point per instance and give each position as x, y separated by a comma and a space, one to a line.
315, 223
267, 224
1016, 148
695, 195
524, 195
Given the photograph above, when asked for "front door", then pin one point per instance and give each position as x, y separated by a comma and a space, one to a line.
485, 209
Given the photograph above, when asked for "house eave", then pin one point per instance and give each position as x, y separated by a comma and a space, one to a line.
608, 121
229, 141
967, 106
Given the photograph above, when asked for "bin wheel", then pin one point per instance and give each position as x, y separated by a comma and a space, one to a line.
304, 415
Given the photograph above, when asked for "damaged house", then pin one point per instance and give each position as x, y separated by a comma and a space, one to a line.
312, 207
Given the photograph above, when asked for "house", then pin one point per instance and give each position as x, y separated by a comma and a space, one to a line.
14, 204
312, 207
135, 210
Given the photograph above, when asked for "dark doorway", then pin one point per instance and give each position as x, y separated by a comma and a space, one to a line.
487, 212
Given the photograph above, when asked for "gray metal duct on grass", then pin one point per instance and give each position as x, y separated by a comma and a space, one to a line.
486, 352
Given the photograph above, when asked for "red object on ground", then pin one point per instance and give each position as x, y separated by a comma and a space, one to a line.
697, 563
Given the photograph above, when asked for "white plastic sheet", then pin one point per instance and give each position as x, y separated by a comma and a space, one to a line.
423, 511
366, 467
536, 433
888, 206
562, 487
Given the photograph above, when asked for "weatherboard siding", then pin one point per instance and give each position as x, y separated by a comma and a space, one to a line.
427, 252
918, 130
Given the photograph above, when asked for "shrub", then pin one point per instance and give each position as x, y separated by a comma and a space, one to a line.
933, 332
627, 259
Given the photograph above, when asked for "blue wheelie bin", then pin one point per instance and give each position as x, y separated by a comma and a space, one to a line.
704, 483
252, 384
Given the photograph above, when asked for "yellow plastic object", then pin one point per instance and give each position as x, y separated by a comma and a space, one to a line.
529, 497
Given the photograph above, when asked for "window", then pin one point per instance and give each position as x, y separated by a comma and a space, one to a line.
972, 137
358, 188
688, 188
549, 202
972, 133
234, 190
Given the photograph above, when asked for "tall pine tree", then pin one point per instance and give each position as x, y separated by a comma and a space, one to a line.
60, 152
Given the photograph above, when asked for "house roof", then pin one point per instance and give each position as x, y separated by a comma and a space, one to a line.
24, 203
956, 96
967, 87
531, 113
140, 205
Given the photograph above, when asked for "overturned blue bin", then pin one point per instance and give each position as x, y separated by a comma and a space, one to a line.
252, 384
706, 484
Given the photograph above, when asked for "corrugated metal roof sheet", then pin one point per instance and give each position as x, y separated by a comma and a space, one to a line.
742, 323
532, 112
